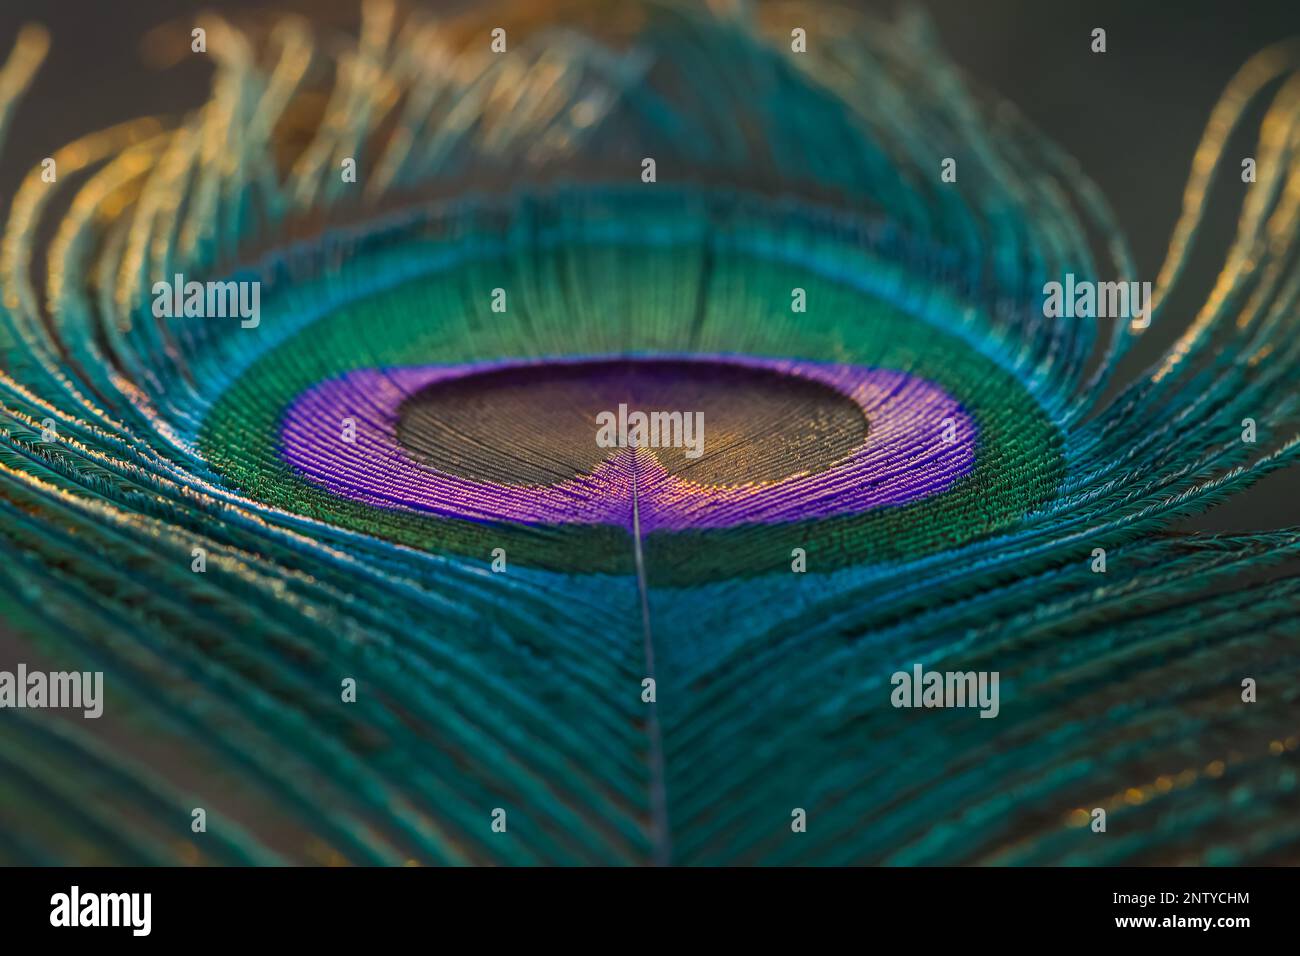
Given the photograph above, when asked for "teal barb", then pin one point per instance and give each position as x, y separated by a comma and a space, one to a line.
905, 463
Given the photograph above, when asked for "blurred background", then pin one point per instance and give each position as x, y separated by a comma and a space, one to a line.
1132, 116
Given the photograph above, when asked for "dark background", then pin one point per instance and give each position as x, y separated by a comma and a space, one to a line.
1132, 116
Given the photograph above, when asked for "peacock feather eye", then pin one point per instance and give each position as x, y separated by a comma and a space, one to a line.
824, 425
610, 425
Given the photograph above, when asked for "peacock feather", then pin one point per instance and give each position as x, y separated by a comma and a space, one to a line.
362, 586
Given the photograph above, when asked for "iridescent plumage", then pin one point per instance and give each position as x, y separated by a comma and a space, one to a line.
132, 443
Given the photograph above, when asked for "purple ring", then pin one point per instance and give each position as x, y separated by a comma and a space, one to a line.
919, 443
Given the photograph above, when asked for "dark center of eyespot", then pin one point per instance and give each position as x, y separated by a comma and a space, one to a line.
537, 425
